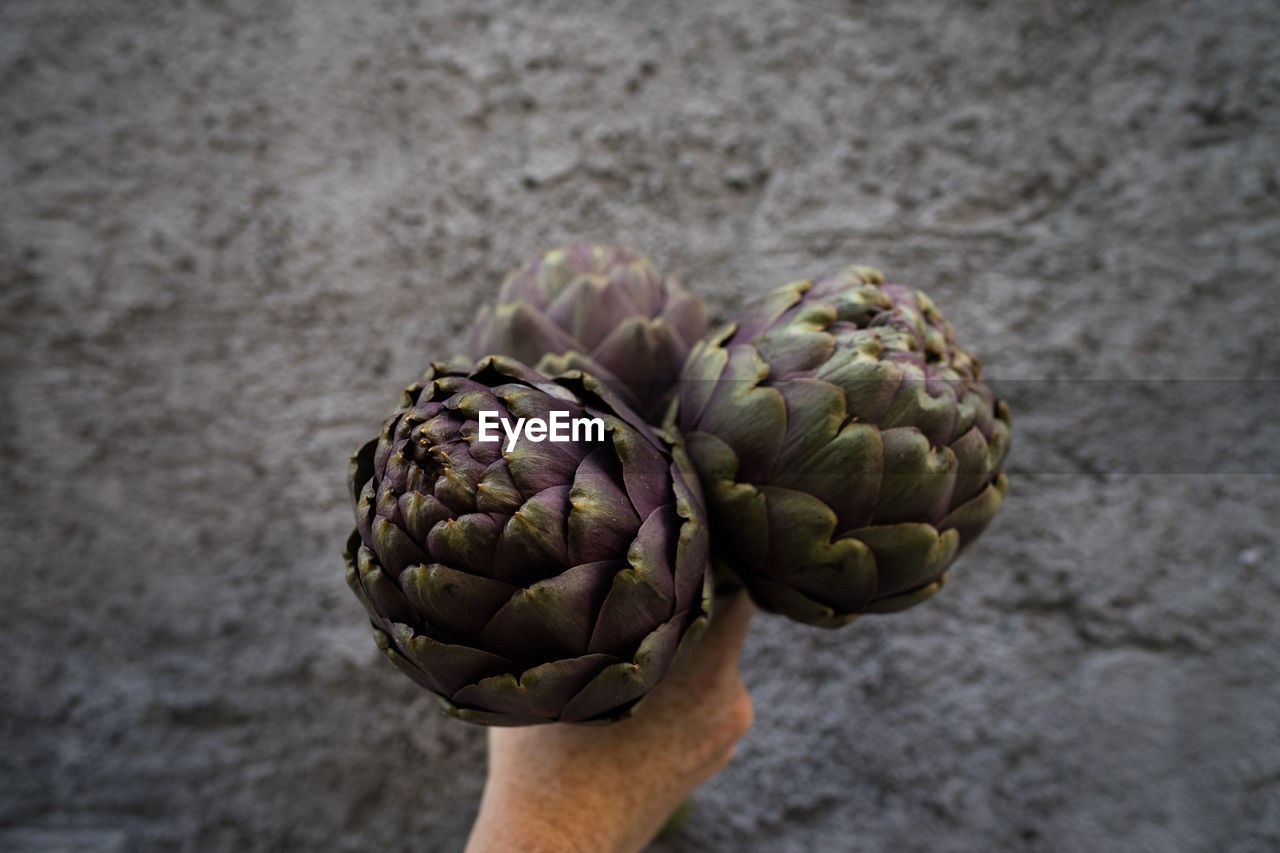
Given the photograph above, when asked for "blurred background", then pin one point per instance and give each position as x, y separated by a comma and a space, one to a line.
232, 231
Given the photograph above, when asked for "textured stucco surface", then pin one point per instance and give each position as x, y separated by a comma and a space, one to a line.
232, 231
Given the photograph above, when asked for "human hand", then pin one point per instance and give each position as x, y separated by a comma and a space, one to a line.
608, 789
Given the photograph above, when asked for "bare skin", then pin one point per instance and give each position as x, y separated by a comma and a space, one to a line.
608, 789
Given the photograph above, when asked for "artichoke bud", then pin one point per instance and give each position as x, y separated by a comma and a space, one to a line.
520, 582
604, 310
915, 482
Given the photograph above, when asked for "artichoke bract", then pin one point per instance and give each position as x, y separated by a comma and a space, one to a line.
526, 581
847, 446
604, 310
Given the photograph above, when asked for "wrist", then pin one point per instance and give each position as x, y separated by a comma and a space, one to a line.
532, 815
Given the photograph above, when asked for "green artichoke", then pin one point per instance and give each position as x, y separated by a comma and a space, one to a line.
847, 447
526, 581
603, 310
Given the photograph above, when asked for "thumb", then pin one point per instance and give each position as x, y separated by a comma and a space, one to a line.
721, 643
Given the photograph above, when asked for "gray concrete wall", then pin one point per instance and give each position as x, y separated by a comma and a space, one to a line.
231, 231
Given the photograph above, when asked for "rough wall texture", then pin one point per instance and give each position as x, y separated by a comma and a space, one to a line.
232, 231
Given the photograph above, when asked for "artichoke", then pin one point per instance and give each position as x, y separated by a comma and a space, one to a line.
603, 310
526, 581
847, 447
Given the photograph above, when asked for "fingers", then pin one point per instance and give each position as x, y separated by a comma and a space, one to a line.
711, 665
727, 630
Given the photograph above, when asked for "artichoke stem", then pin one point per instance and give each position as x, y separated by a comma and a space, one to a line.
677, 820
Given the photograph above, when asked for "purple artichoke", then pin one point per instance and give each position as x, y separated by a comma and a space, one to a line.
525, 580
847, 446
603, 310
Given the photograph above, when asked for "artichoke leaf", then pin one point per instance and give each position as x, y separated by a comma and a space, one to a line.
393, 546
789, 601
360, 470
534, 467
588, 307
908, 555
740, 522
684, 312
840, 573
447, 666
365, 510
496, 491
644, 471
619, 685
402, 663
750, 417
456, 602
551, 618
467, 542
521, 331
795, 347
641, 595
421, 512
700, 375
902, 601
540, 692
762, 312
918, 479
534, 535
869, 386
815, 413
693, 546
972, 517
712, 458
973, 465
379, 589
349, 552
914, 406
602, 519
647, 355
